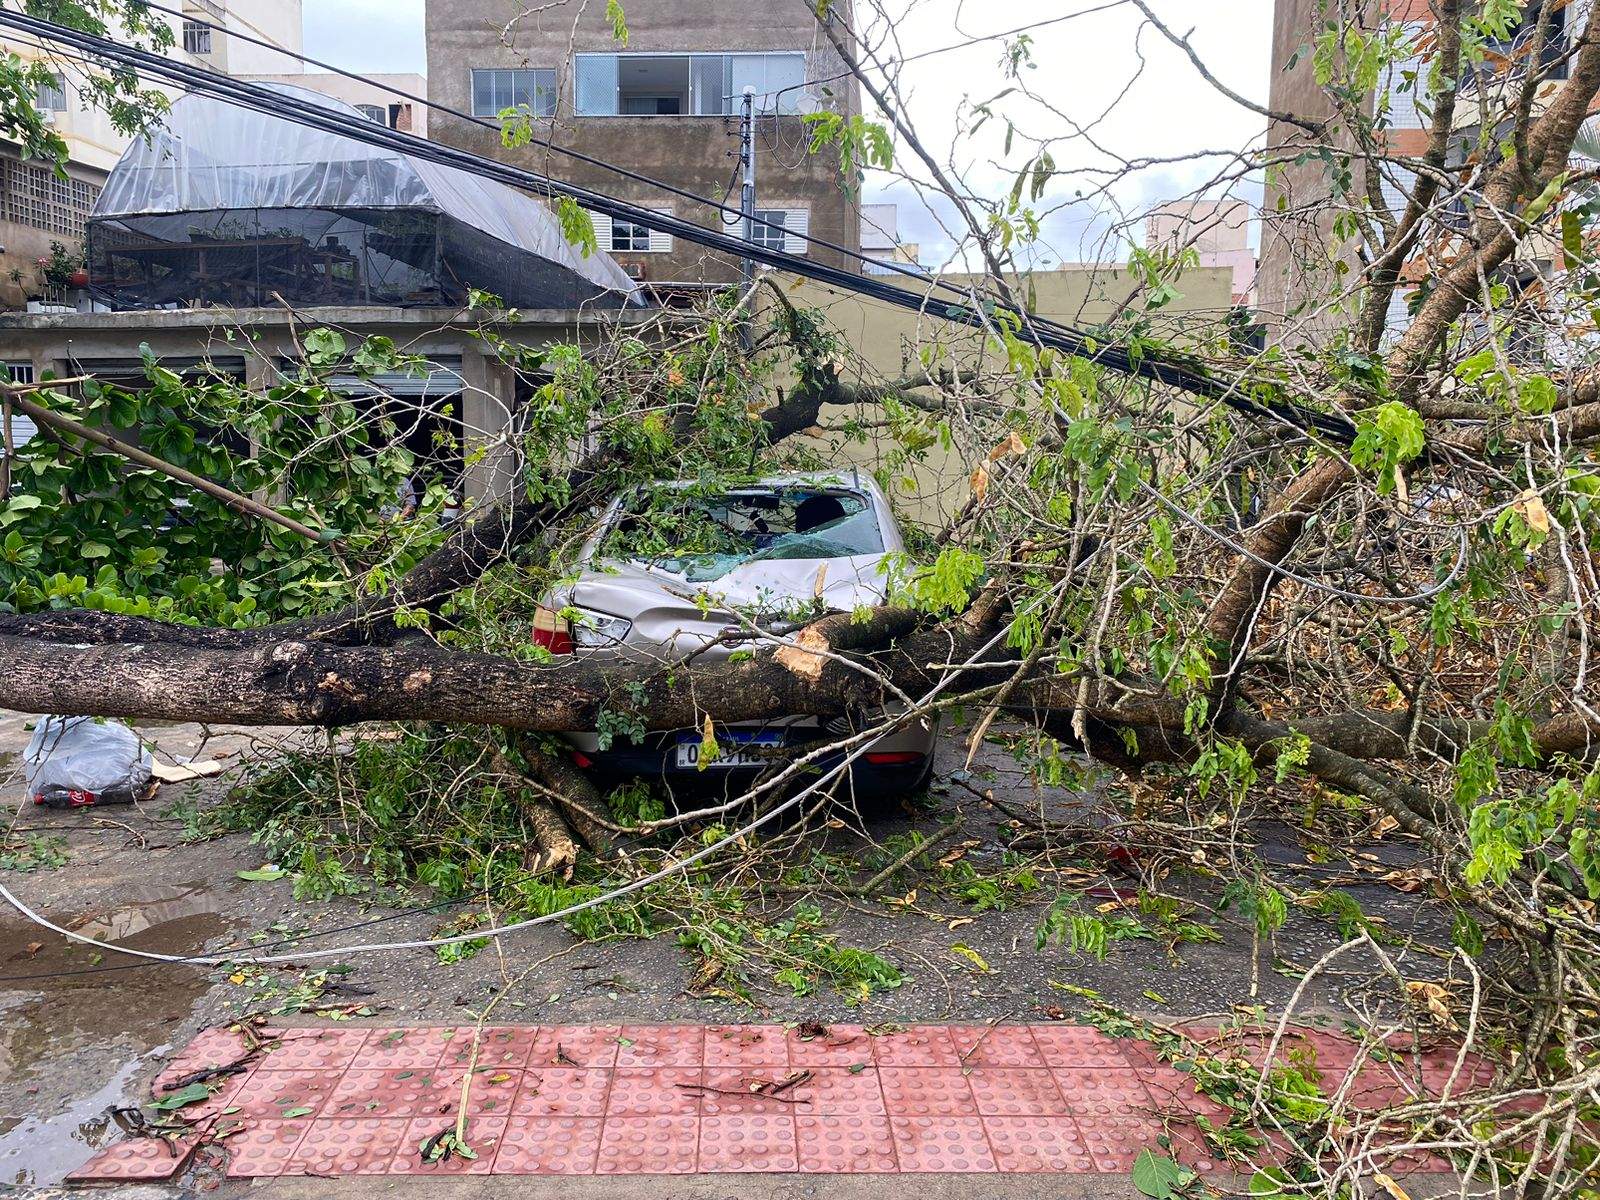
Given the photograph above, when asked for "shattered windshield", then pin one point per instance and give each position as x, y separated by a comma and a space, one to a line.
702, 538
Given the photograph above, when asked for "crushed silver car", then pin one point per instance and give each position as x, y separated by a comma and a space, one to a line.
711, 573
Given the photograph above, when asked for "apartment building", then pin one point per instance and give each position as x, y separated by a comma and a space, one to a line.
37, 206
1298, 250
664, 106
1216, 231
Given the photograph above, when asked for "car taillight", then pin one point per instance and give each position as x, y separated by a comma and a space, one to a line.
893, 758
550, 631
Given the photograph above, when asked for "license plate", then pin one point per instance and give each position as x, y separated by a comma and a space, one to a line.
738, 750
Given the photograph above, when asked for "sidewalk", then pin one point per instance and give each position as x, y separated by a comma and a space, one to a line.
338, 1101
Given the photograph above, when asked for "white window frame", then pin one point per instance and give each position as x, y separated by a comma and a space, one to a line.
605, 236
544, 84
52, 97
23, 430
796, 224
795, 100
375, 113
197, 37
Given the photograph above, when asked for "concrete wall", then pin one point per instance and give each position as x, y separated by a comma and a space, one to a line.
697, 154
884, 342
1297, 220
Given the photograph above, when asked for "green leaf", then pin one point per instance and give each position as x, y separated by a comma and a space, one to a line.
193, 1094
94, 550
577, 226
262, 874
1157, 1175
324, 347
302, 1111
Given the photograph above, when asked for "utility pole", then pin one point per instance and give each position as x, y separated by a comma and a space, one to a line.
747, 199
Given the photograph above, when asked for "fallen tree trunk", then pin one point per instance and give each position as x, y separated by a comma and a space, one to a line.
307, 682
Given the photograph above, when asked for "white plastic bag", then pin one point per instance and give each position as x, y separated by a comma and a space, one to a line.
76, 761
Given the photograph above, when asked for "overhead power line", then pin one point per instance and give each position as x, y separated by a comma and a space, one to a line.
959, 309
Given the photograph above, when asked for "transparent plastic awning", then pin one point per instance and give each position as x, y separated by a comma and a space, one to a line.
212, 156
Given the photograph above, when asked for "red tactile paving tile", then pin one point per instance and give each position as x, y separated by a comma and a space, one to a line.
955, 1144
840, 1092
746, 1045
1104, 1093
210, 1048
1114, 1142
1038, 1144
609, 1099
1015, 1092
917, 1046
731, 1090
313, 1050
263, 1147
497, 1047
546, 1145
135, 1159
839, 1046
563, 1092
748, 1142
927, 1092
661, 1046
575, 1046
492, 1091
402, 1048
1002, 1046
347, 1146
655, 1145
841, 1144
223, 1091
654, 1091
396, 1092
483, 1139
1073, 1046
278, 1093
1174, 1094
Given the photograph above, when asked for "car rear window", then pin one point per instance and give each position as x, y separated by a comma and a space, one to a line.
704, 537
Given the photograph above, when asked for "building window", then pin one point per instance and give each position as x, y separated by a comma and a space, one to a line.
629, 237
373, 112
196, 37
52, 95
34, 196
702, 85
785, 229
495, 90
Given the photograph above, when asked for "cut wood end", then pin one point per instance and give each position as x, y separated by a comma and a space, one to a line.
803, 656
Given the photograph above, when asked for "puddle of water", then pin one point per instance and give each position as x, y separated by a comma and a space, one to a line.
77, 1040
40, 1150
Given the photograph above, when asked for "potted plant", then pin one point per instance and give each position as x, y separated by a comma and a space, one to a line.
63, 267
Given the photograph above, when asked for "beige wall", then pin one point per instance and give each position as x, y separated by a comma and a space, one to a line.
886, 340
371, 89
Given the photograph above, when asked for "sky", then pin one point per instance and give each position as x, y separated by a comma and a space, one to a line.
1136, 96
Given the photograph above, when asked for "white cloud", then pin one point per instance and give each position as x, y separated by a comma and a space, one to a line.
371, 36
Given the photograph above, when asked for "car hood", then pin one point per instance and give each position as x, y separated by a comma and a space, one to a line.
630, 589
